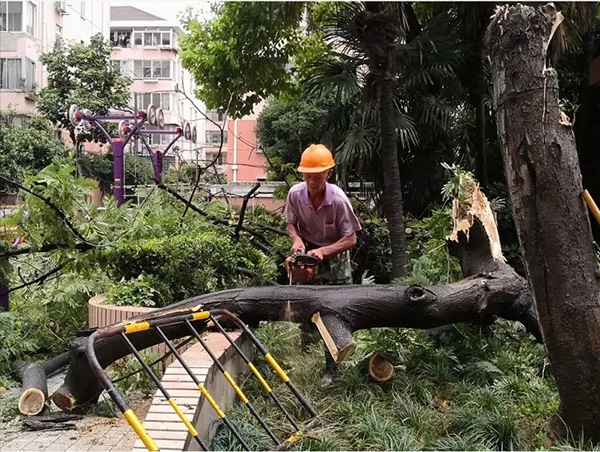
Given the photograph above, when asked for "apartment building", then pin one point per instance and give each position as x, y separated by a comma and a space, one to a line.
145, 50
29, 28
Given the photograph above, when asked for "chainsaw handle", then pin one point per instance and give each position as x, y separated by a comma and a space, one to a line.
299, 259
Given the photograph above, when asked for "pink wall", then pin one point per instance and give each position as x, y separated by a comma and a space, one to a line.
250, 161
10, 100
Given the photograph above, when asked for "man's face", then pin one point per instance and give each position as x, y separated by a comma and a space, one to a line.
316, 181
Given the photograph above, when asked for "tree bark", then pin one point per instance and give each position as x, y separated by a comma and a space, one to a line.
379, 36
35, 387
34, 382
544, 179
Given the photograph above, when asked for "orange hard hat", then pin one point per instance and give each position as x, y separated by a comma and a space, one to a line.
315, 159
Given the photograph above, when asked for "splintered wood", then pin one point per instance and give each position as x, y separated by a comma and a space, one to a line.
477, 207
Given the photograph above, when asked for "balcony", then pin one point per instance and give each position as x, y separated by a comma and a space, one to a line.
155, 39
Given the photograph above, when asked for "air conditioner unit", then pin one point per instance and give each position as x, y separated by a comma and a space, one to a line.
60, 7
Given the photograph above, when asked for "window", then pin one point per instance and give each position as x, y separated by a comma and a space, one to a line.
29, 71
11, 16
152, 69
82, 9
122, 66
10, 73
158, 140
214, 137
152, 38
120, 38
215, 115
159, 100
17, 74
58, 31
222, 160
30, 12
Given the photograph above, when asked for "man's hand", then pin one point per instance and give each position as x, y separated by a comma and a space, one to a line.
318, 253
288, 263
298, 246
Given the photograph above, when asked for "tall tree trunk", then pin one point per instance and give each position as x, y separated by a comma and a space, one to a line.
544, 179
481, 157
379, 35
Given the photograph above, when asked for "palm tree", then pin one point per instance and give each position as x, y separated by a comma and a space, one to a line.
389, 98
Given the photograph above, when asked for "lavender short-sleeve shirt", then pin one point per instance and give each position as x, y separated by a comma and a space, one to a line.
333, 219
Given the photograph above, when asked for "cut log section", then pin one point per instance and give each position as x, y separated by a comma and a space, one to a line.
378, 366
35, 387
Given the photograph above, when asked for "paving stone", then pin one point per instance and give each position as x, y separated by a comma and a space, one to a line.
14, 445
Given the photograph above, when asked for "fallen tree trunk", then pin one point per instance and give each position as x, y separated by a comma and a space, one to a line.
35, 387
491, 289
378, 367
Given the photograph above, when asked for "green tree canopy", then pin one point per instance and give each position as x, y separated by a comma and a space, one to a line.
246, 53
29, 147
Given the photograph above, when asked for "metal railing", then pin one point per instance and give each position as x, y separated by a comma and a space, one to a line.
196, 322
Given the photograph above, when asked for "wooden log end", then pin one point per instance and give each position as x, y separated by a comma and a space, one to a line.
380, 369
336, 335
65, 402
32, 402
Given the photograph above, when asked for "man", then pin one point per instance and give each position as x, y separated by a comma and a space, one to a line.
321, 223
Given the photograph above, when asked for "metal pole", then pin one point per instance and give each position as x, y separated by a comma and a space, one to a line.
265, 352
202, 389
256, 373
118, 170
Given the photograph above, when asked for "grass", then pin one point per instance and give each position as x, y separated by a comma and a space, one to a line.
473, 388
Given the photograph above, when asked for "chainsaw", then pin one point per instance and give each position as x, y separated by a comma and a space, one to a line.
302, 268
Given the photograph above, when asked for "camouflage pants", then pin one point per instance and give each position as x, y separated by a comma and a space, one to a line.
333, 270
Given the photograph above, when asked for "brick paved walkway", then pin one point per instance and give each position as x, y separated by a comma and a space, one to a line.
117, 437
114, 434
91, 433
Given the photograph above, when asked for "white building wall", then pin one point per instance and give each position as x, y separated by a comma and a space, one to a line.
84, 19
29, 41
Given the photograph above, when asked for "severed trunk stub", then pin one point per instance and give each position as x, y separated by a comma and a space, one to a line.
544, 181
378, 366
33, 378
491, 289
35, 387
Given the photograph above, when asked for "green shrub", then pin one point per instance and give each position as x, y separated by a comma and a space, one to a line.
168, 269
138, 291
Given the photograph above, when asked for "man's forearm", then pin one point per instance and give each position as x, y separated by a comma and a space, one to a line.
343, 244
293, 232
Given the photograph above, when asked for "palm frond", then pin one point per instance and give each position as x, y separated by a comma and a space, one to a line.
435, 113
341, 31
338, 76
359, 148
407, 132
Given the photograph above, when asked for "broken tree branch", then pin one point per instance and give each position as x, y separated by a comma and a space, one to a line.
247, 196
